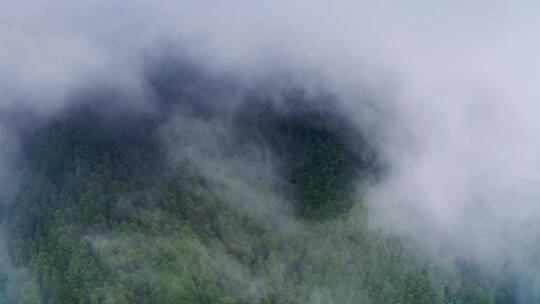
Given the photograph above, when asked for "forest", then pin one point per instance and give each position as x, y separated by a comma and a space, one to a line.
194, 203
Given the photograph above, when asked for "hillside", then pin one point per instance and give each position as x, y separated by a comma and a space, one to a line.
196, 207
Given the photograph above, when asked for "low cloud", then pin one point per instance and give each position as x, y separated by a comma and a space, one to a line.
447, 91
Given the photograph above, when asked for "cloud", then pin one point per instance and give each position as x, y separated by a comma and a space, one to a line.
448, 91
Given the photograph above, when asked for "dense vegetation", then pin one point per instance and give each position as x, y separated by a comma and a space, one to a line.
316, 150
102, 217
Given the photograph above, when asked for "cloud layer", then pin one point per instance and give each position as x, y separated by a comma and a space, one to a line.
447, 90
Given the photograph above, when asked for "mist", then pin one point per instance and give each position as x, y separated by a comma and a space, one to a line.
445, 92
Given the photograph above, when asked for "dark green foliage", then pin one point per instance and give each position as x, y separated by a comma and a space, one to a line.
321, 169
322, 155
101, 218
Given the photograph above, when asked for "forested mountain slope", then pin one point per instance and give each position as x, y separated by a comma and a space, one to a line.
261, 206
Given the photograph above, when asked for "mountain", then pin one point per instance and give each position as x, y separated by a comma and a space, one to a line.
192, 200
